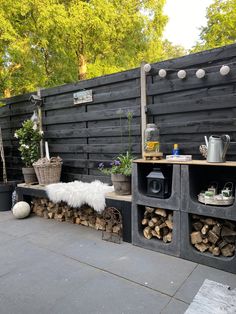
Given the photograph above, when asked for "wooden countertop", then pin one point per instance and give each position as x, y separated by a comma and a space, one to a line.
192, 162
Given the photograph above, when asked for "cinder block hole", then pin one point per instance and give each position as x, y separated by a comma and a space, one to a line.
156, 224
214, 237
200, 178
143, 171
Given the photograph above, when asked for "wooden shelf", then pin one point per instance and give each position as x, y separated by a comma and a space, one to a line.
193, 162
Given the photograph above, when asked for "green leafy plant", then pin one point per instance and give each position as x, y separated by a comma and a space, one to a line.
29, 137
121, 165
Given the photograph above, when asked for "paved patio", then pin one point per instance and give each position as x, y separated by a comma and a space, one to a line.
48, 267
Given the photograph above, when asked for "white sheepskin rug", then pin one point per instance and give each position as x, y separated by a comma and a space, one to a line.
77, 193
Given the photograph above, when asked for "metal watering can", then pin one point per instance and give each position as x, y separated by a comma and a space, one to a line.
215, 150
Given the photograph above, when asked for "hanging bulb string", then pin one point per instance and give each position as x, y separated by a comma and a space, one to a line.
148, 68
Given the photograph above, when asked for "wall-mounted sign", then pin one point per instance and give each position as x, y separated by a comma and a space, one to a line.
83, 96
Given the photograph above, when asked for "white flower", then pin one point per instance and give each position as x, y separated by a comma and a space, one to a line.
41, 132
35, 126
25, 146
15, 135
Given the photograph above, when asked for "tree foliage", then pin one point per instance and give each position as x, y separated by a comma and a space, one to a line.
220, 29
44, 43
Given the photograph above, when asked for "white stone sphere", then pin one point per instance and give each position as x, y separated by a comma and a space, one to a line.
21, 210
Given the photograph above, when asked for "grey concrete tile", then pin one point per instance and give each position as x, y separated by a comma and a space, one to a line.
158, 271
195, 280
6, 215
108, 294
175, 306
4, 238
59, 285
95, 251
19, 254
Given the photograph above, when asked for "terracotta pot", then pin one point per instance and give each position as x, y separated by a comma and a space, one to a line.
122, 184
29, 175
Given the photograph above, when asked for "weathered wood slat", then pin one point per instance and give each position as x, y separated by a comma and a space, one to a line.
112, 148
90, 116
205, 103
88, 84
98, 132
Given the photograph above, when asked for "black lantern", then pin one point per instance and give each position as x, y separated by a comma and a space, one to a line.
158, 184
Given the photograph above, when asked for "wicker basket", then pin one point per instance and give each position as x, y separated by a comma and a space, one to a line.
48, 173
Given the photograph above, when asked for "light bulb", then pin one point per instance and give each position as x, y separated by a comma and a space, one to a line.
147, 67
200, 73
181, 74
224, 70
162, 73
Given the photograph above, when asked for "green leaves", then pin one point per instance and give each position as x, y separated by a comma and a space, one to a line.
44, 43
220, 29
29, 138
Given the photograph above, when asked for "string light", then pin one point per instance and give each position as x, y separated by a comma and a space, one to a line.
147, 67
224, 70
181, 74
162, 73
200, 73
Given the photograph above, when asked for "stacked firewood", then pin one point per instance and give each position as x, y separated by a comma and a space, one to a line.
216, 236
158, 223
84, 215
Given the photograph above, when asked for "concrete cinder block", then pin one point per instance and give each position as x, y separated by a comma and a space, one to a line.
172, 248
139, 186
187, 251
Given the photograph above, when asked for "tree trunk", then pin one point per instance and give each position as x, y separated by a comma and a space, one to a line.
82, 67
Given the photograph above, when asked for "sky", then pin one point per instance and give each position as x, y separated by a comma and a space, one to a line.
185, 19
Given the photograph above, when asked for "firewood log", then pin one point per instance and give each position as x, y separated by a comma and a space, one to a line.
77, 220
216, 251
117, 229
161, 212
169, 224
151, 224
212, 237
196, 237
147, 232
197, 225
145, 222
202, 247
154, 220
149, 209
228, 250
167, 237
217, 229
170, 217
205, 229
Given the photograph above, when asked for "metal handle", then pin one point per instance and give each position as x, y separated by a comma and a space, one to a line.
226, 139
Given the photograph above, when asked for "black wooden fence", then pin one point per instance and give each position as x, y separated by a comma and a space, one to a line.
85, 135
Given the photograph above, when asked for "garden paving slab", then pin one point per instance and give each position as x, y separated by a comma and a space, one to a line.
175, 306
56, 267
124, 260
190, 288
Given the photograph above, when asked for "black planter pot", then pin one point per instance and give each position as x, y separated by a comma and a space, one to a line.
6, 190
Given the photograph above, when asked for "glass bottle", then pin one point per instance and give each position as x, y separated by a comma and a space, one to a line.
151, 138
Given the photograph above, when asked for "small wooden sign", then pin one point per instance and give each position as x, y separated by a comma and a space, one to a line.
83, 97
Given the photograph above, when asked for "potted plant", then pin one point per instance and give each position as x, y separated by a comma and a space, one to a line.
120, 171
29, 137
